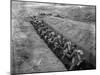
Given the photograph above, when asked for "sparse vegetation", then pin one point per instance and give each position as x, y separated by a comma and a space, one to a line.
83, 15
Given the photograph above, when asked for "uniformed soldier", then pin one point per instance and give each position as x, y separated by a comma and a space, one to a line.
43, 33
61, 40
76, 57
39, 25
69, 45
79, 54
50, 34
51, 40
56, 45
64, 53
67, 50
40, 29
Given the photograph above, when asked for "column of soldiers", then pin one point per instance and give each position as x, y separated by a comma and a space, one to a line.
57, 43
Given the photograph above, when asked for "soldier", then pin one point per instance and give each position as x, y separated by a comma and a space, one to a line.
76, 57
43, 33
46, 35
41, 29
32, 20
62, 41
67, 50
50, 34
38, 25
51, 39
59, 38
79, 54
56, 45
44, 28
36, 21
69, 45
64, 53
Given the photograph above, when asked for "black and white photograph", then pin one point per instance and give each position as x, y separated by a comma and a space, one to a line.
52, 37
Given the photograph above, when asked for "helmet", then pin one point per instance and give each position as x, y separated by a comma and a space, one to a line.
58, 36
80, 52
